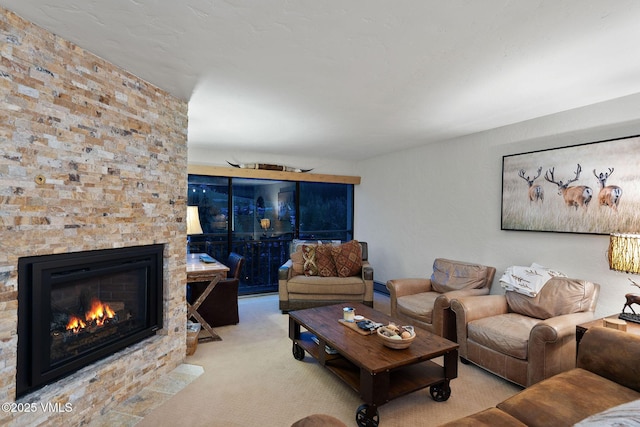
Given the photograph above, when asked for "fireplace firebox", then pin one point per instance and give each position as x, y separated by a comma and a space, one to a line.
76, 308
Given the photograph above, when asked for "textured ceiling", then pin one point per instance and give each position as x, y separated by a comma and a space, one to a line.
352, 79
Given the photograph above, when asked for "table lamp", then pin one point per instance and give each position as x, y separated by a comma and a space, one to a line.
193, 223
624, 255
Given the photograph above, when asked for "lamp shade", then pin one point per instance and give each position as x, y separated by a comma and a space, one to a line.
193, 220
624, 252
265, 223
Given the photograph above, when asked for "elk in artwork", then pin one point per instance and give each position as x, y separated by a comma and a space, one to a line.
576, 196
609, 195
536, 192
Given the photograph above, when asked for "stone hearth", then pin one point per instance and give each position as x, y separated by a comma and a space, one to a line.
92, 158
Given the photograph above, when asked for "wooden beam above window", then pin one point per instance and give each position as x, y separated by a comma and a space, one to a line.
268, 174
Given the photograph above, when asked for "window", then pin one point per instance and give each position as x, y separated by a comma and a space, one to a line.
258, 218
326, 211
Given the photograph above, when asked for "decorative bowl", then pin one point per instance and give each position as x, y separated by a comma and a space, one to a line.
396, 344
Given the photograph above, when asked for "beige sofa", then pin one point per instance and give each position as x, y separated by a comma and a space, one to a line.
602, 390
521, 338
298, 290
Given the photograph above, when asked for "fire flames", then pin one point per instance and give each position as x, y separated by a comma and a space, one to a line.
97, 315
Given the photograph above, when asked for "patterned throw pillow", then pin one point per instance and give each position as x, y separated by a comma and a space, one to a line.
309, 260
348, 258
324, 261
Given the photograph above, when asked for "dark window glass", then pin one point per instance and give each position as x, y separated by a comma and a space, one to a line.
258, 218
326, 211
211, 195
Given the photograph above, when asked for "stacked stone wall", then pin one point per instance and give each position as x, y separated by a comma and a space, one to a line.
91, 157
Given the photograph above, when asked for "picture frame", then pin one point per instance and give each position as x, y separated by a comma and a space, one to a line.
560, 190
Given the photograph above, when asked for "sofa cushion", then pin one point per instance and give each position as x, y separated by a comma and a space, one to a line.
324, 261
298, 261
560, 295
566, 398
309, 257
325, 285
347, 258
418, 306
455, 275
504, 333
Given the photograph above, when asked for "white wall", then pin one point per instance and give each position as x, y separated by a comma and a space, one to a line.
443, 200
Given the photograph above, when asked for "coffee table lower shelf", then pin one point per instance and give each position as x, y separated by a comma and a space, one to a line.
380, 387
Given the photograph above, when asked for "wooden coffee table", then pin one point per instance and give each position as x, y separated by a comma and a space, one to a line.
379, 374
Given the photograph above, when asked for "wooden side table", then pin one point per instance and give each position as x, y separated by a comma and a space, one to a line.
198, 271
632, 328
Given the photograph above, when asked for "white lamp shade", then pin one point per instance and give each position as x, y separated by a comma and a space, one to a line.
193, 220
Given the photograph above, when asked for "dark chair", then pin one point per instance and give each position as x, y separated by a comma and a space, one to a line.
221, 306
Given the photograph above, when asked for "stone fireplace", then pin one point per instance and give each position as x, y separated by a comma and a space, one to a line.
93, 158
77, 308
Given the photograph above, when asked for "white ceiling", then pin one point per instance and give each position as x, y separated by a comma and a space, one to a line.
352, 79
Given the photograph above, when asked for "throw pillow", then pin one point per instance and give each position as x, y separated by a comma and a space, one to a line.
348, 258
298, 262
324, 261
309, 257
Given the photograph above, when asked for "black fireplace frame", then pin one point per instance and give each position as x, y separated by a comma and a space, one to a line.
32, 373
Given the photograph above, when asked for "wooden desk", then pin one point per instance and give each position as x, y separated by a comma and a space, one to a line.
198, 271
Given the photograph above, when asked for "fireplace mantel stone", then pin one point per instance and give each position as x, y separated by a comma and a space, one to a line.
92, 158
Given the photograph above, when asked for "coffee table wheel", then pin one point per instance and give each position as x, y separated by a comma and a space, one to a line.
363, 420
440, 392
298, 352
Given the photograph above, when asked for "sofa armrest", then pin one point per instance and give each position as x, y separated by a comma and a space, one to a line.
401, 287
552, 345
367, 271
469, 308
556, 328
444, 300
285, 272
611, 354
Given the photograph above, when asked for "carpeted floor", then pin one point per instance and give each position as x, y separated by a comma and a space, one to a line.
251, 379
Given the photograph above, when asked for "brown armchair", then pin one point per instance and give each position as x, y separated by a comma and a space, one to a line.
425, 302
521, 338
221, 306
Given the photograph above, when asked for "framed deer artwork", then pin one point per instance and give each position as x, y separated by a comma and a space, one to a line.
591, 188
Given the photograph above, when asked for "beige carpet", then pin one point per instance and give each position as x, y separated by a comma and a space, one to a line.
251, 379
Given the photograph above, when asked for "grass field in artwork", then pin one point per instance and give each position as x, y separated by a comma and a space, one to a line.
552, 213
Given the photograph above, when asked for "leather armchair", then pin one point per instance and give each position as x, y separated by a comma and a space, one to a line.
521, 338
426, 302
221, 306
